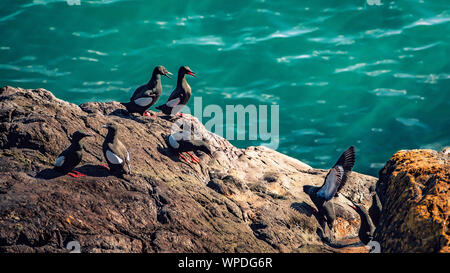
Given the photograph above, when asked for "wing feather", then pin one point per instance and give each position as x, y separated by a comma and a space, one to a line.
60, 161
144, 101
331, 184
347, 159
173, 103
113, 158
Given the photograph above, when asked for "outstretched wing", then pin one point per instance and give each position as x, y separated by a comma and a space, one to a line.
346, 161
331, 184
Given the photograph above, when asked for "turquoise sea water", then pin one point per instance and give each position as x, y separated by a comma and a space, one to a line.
343, 72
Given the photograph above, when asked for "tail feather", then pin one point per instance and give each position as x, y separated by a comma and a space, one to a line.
165, 109
126, 104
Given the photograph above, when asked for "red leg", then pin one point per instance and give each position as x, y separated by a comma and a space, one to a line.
180, 114
73, 175
104, 166
185, 159
78, 173
148, 114
194, 158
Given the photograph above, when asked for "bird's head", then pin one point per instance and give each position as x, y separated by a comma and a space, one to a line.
78, 135
161, 70
357, 207
186, 70
112, 127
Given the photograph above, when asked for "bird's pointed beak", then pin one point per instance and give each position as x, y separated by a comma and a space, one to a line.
167, 75
88, 135
192, 73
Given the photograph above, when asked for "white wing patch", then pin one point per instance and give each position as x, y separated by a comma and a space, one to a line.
113, 158
173, 142
143, 101
60, 161
173, 103
128, 156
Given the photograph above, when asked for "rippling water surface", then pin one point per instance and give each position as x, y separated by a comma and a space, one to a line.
343, 72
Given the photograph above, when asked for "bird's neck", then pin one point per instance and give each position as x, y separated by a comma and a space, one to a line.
155, 79
365, 219
77, 145
111, 135
181, 79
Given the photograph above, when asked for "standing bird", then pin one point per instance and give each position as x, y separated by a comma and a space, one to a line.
334, 181
367, 228
115, 152
181, 145
146, 95
375, 209
180, 95
71, 157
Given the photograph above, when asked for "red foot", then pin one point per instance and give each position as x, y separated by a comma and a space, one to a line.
148, 114
194, 158
104, 166
73, 175
185, 159
79, 174
180, 114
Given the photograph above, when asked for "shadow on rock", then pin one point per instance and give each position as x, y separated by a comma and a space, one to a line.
94, 170
48, 174
167, 152
124, 114
304, 208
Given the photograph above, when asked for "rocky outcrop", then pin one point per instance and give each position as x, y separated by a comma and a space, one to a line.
414, 189
241, 200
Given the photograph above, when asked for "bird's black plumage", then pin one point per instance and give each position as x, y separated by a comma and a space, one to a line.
375, 208
71, 156
325, 209
367, 228
338, 174
146, 95
115, 152
180, 95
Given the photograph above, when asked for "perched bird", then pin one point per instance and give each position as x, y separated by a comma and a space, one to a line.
115, 152
146, 95
181, 145
71, 157
180, 95
334, 181
367, 228
375, 209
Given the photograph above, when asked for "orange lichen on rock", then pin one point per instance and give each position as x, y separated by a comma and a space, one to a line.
414, 186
